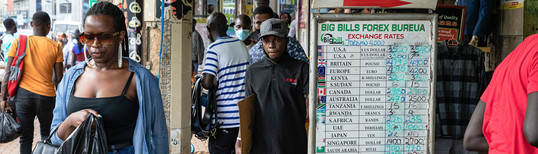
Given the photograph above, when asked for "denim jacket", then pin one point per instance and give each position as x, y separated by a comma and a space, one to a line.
150, 134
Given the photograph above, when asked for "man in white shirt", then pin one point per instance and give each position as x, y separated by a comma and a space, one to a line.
225, 67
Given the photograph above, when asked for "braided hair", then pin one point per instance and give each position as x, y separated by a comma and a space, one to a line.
109, 9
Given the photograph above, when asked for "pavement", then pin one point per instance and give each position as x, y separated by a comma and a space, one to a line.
200, 147
13, 146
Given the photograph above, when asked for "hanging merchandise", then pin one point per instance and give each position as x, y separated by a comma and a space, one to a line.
135, 15
459, 71
134, 23
134, 7
201, 124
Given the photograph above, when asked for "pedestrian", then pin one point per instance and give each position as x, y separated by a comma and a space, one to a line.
79, 51
281, 87
197, 48
286, 18
8, 37
256, 53
226, 62
62, 39
121, 91
68, 50
36, 93
293, 29
505, 119
243, 26
5, 43
261, 14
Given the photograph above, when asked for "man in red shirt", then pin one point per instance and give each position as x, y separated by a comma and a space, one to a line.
506, 118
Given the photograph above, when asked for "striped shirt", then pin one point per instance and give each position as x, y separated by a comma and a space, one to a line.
227, 59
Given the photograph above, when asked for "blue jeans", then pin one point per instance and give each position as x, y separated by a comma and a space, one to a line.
127, 150
478, 16
28, 105
195, 67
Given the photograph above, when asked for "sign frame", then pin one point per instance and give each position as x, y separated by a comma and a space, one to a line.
400, 4
317, 18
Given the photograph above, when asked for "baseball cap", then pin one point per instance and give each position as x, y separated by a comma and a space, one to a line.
273, 27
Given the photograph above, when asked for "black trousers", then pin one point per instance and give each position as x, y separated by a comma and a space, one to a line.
224, 142
28, 105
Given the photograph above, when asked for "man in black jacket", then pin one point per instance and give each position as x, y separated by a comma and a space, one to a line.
281, 87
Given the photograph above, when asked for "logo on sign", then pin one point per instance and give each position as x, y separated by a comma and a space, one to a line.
328, 38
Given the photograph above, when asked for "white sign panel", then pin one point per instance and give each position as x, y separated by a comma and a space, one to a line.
374, 86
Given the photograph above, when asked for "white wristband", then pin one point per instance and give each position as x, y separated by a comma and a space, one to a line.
238, 138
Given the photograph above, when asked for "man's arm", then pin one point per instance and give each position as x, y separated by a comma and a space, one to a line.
3, 90
58, 73
474, 139
207, 81
210, 69
6, 79
530, 124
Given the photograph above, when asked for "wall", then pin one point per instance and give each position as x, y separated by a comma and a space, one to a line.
174, 63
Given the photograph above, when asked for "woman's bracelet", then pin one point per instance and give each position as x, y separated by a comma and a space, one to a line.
238, 138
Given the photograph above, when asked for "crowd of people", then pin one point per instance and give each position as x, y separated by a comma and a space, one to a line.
85, 73
263, 59
82, 73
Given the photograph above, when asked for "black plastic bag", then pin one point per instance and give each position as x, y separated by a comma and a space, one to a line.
84, 141
9, 128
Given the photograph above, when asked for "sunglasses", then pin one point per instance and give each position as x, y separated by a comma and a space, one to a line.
104, 38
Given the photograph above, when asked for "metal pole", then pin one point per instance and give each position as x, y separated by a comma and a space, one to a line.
313, 93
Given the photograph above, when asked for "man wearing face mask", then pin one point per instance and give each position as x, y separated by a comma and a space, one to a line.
242, 27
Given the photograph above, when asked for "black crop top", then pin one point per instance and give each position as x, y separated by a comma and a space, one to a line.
119, 114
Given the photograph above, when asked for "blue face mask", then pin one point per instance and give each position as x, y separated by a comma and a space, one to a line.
242, 34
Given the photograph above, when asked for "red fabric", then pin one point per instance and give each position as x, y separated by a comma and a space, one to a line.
506, 99
13, 85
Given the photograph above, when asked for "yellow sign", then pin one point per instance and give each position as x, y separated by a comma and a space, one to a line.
512, 4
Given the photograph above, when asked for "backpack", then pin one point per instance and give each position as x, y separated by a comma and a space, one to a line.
16, 68
204, 126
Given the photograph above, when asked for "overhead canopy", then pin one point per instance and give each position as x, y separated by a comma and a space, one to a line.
410, 4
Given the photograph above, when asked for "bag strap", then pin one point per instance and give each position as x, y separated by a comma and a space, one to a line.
21, 52
52, 133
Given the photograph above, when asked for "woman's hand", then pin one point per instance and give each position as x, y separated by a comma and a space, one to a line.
73, 121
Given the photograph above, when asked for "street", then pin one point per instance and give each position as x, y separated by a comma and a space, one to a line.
13, 146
